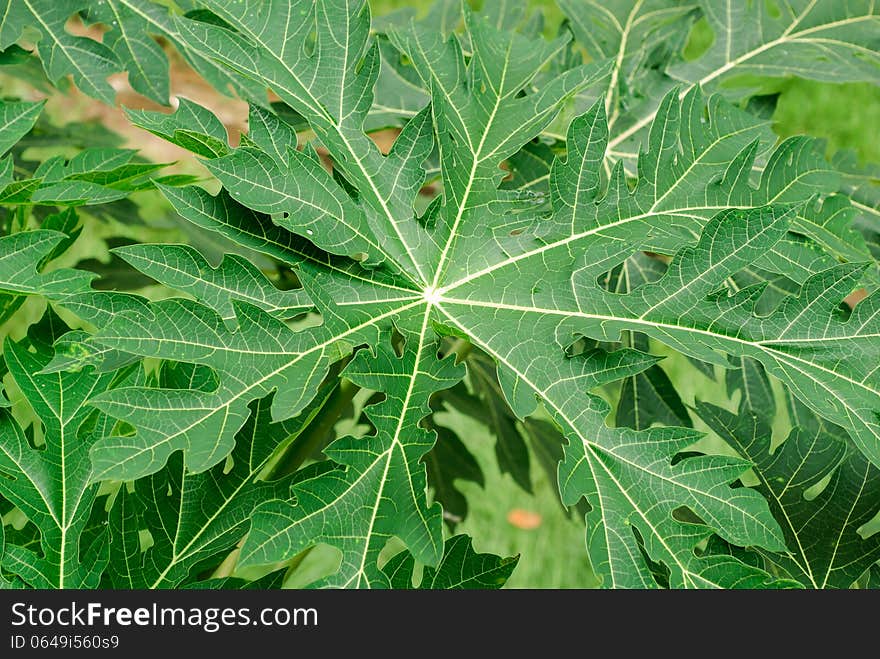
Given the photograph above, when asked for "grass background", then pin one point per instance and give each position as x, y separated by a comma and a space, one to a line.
553, 554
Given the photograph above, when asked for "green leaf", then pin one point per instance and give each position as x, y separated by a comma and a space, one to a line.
618, 464
397, 97
788, 345
190, 127
467, 103
94, 176
825, 549
52, 484
332, 88
169, 504
756, 395
184, 269
22, 268
262, 354
447, 462
829, 41
523, 274
547, 442
223, 215
531, 168
5, 583
832, 381
635, 36
380, 492
127, 45
399, 93
22, 256
510, 448
16, 119
862, 185
131, 41
752, 42
817, 40
271, 581
649, 396
461, 568
303, 197
685, 290
62, 53
794, 172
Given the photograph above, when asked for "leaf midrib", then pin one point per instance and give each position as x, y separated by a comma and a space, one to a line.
318, 110
592, 447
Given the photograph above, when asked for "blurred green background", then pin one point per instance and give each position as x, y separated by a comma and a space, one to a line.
552, 554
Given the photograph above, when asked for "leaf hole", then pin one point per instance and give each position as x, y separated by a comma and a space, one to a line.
398, 342
870, 528
772, 8
699, 40
145, 538
310, 43
658, 569
124, 429
815, 490
322, 561
375, 398
686, 516
683, 455
183, 375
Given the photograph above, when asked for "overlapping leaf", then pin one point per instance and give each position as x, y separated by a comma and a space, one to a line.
381, 492
862, 185
170, 504
128, 45
184, 269
825, 548
96, 175
461, 568
16, 119
62, 53
750, 42
639, 36
648, 397
788, 343
52, 484
22, 257
522, 268
520, 288
825, 40
481, 119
